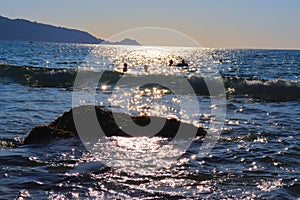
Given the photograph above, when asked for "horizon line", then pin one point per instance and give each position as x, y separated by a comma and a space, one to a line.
106, 38
219, 48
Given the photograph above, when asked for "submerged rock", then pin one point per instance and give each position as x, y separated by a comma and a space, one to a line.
64, 127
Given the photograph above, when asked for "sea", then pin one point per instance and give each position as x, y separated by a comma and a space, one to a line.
253, 95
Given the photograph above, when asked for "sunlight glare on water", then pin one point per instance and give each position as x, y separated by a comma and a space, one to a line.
255, 158
137, 154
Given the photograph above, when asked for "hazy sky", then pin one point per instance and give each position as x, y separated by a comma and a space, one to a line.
212, 23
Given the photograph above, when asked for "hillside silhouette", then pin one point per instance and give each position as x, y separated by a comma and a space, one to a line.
24, 30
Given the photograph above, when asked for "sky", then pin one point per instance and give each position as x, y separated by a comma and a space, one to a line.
211, 23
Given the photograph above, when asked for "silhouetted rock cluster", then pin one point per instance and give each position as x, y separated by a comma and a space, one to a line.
125, 41
64, 127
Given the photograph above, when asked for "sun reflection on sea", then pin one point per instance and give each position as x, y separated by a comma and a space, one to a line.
150, 99
138, 154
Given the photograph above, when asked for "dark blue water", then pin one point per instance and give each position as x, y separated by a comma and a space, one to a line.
256, 157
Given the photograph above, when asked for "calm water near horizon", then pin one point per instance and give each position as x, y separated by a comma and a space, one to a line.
256, 157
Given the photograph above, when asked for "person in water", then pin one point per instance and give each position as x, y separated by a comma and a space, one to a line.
125, 67
146, 68
183, 63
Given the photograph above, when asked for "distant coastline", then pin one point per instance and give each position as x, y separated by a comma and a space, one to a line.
25, 30
125, 41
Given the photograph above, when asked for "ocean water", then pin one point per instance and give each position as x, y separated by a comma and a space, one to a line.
256, 157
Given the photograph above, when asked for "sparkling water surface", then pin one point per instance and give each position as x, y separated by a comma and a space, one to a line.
257, 155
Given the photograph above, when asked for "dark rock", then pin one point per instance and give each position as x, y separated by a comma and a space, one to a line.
64, 127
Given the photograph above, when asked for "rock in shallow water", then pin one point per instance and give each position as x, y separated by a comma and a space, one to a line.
64, 127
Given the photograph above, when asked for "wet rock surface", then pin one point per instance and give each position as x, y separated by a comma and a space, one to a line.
64, 126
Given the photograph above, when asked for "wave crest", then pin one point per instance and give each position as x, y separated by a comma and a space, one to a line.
269, 90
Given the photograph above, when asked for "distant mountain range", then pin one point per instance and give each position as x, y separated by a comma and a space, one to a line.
24, 30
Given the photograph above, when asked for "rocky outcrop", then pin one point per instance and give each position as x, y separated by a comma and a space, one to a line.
64, 127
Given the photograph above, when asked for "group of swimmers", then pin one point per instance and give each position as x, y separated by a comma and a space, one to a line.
171, 63
183, 63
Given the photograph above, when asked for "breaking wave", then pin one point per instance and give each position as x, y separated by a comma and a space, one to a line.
48, 77
269, 90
